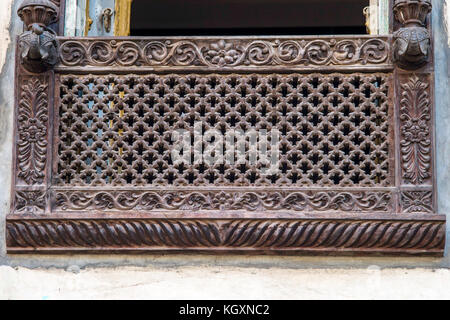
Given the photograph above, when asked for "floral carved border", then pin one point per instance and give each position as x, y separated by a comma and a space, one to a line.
216, 52
362, 201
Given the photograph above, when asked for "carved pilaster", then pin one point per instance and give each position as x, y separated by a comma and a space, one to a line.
412, 40
36, 55
417, 201
414, 107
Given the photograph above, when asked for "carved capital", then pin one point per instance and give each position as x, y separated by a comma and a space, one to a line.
41, 12
38, 45
412, 12
411, 41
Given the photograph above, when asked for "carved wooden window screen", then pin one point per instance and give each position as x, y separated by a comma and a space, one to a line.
95, 119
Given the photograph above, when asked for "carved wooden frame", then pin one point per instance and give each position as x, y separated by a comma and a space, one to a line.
400, 219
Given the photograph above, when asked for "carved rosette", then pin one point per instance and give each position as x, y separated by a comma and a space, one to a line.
412, 41
30, 201
38, 46
417, 201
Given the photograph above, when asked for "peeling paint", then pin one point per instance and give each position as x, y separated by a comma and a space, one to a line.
214, 282
447, 19
5, 19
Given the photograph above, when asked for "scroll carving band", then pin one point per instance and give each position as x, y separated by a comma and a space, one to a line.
224, 53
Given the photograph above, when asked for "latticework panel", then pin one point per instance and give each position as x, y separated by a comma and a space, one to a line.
118, 130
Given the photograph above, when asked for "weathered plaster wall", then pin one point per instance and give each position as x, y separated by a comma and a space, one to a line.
251, 276
442, 102
224, 283
5, 19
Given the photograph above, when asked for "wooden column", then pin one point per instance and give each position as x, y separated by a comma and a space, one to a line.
414, 104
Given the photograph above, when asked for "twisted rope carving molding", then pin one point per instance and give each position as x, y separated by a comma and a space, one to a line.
93, 119
296, 235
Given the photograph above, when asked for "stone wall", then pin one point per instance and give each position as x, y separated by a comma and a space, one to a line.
324, 276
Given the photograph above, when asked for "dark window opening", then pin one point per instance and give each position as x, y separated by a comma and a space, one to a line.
247, 17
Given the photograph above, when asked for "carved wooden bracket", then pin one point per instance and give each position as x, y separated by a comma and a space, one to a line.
412, 40
38, 45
